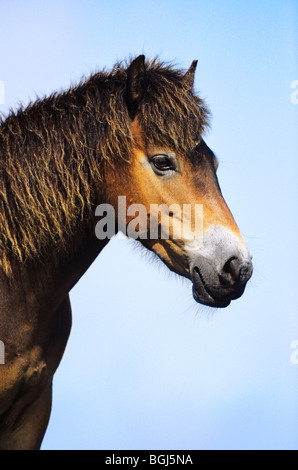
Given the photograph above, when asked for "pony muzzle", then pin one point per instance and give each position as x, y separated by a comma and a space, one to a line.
220, 268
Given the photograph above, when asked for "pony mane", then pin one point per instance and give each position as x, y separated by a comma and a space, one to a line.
52, 153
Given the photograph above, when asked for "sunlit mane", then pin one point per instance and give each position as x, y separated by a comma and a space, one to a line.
52, 153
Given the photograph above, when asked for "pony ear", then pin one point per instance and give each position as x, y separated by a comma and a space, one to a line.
136, 84
189, 77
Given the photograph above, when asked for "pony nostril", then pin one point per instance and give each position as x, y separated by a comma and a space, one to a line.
231, 272
232, 268
235, 271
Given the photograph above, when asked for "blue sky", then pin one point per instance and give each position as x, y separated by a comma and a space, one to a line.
145, 367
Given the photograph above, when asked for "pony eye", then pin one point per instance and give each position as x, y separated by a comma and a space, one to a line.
162, 163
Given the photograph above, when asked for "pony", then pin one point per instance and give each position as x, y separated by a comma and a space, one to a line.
135, 132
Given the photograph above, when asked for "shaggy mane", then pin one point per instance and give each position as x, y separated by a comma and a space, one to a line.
52, 153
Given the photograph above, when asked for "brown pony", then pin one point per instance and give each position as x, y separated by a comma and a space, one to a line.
134, 132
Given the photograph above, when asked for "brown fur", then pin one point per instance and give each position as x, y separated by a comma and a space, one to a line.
52, 153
